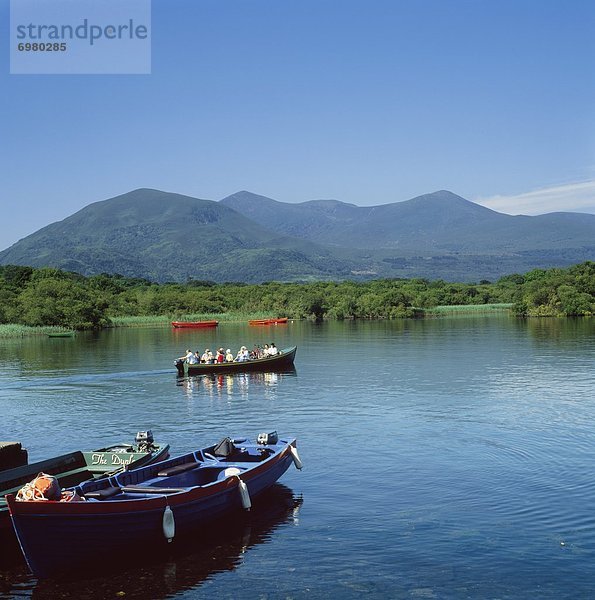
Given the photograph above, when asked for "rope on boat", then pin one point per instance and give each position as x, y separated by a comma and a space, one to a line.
46, 487
29, 493
43, 487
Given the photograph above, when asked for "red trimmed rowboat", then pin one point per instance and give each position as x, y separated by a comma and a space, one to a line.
193, 324
279, 321
148, 507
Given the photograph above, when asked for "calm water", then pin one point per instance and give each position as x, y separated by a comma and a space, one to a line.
449, 458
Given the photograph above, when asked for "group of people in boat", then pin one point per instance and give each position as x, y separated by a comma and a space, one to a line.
223, 356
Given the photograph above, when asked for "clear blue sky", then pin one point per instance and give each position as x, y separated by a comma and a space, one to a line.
365, 101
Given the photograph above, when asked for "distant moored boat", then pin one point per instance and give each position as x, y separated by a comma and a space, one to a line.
268, 321
193, 324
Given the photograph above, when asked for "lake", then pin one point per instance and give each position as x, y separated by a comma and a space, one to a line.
444, 458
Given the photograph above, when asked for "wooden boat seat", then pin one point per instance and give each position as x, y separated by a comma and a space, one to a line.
177, 469
75, 476
141, 489
109, 492
103, 493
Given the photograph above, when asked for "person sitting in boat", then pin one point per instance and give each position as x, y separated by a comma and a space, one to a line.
228, 355
207, 357
242, 354
220, 356
193, 358
273, 351
265, 351
187, 356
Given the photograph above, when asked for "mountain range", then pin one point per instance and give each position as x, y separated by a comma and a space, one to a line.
246, 237
441, 222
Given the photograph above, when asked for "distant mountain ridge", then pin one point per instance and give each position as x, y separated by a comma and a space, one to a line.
246, 237
437, 222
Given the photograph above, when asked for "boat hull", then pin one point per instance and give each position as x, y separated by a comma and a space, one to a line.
70, 469
280, 321
283, 360
193, 324
59, 537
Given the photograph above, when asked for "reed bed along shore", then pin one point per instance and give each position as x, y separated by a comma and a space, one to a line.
9, 330
460, 309
151, 321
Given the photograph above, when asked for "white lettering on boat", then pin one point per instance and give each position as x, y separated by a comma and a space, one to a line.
114, 459
117, 460
98, 459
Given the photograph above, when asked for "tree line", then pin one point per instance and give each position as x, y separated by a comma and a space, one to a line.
47, 296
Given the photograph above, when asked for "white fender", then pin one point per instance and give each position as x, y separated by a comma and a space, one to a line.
169, 524
244, 495
296, 458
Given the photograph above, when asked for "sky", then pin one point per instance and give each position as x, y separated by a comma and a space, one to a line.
363, 101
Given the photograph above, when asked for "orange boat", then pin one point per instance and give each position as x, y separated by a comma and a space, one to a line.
268, 321
193, 324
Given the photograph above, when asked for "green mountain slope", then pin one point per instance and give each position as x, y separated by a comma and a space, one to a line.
245, 237
163, 236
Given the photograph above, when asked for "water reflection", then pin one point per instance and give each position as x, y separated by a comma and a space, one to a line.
231, 384
186, 565
567, 332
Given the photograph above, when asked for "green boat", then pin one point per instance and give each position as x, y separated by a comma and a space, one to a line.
283, 360
62, 334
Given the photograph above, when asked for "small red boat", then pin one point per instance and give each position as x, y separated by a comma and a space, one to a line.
193, 324
268, 321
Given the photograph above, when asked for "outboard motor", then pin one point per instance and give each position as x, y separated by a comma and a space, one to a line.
180, 366
144, 440
267, 438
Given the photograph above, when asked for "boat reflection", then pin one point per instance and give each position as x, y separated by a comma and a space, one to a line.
182, 567
232, 383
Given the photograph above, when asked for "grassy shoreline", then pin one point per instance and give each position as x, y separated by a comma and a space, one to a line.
152, 320
460, 309
8, 331
11, 330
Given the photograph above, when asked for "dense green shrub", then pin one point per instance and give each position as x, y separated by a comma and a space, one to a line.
46, 296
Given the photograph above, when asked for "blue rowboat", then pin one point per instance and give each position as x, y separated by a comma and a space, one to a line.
138, 510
